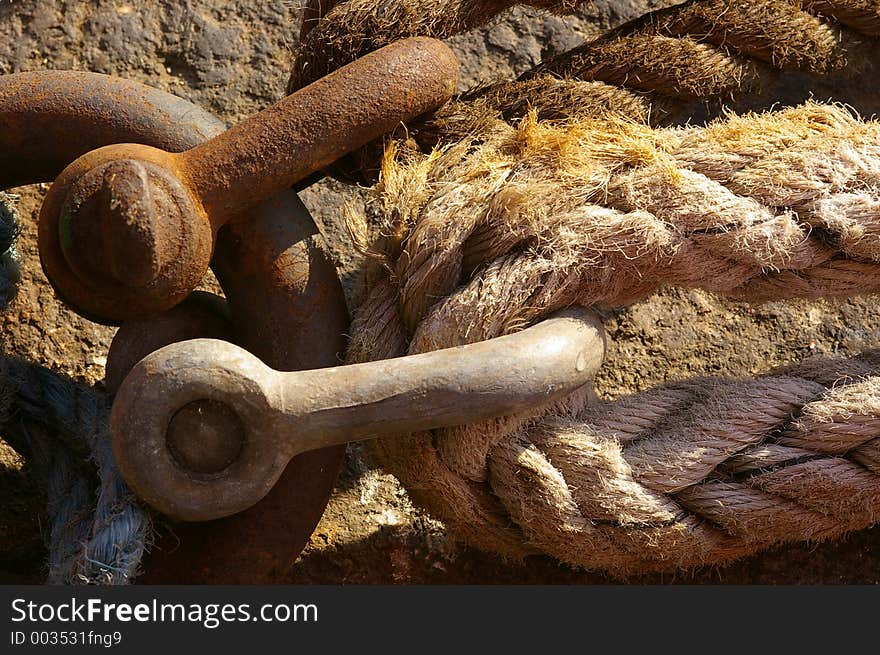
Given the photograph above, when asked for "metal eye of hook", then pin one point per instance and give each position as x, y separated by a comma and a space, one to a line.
202, 429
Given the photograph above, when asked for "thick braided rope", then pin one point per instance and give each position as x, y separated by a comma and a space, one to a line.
712, 48
700, 472
97, 533
484, 239
651, 69
700, 49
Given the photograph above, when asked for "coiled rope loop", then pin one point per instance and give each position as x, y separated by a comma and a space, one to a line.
514, 217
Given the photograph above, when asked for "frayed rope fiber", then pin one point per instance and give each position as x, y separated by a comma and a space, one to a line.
487, 236
97, 529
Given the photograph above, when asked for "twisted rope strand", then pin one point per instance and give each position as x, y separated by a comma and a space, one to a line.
711, 48
9, 273
97, 536
860, 15
649, 68
487, 237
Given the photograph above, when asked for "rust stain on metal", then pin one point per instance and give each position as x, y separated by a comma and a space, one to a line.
288, 308
48, 119
318, 124
201, 316
200, 190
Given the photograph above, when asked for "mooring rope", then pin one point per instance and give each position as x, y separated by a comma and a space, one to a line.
9, 274
97, 529
755, 207
515, 216
702, 49
490, 238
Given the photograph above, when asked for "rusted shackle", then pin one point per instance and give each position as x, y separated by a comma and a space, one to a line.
202, 429
127, 231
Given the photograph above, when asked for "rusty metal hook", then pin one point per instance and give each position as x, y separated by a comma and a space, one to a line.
202, 429
285, 301
128, 230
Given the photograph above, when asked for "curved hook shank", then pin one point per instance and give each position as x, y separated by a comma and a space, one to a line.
280, 289
50, 118
442, 388
252, 420
128, 230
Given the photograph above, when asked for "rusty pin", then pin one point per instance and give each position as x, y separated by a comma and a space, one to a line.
202, 429
127, 231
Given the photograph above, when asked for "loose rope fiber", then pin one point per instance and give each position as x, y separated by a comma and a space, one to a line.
97, 529
486, 237
9, 274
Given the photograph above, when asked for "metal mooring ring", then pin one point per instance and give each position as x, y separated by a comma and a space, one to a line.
285, 300
202, 429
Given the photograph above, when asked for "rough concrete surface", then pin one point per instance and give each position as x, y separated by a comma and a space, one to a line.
231, 56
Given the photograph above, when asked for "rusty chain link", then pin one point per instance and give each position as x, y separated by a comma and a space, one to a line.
156, 191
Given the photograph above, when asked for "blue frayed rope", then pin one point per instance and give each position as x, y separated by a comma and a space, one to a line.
99, 531
9, 274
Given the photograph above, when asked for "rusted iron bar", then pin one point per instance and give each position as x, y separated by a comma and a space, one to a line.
202, 429
288, 308
128, 230
50, 118
274, 269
